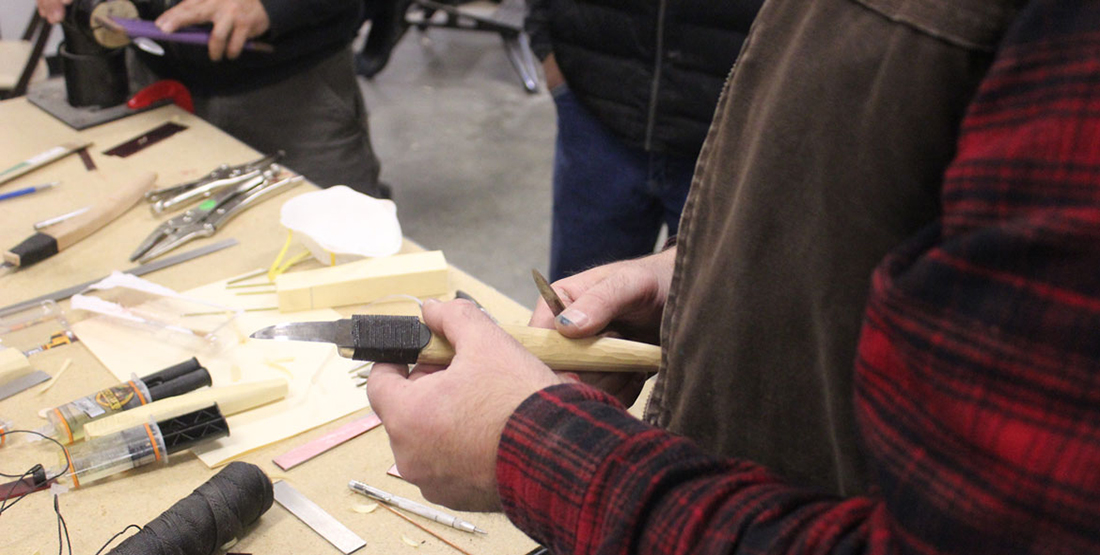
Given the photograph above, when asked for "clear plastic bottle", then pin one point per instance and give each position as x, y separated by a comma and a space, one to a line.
108, 455
68, 420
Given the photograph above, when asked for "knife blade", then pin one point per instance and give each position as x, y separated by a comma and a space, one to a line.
405, 340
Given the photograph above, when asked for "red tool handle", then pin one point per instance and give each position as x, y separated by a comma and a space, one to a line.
167, 88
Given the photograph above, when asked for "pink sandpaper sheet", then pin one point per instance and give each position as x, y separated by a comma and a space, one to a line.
307, 451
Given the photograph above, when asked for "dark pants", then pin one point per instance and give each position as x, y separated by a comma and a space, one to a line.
609, 199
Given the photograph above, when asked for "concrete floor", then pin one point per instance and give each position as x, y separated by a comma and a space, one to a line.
468, 153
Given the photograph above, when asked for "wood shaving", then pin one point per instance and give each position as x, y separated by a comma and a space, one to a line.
64, 366
409, 541
365, 509
280, 368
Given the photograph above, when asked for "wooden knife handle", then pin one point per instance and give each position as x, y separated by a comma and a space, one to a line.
123, 195
42, 245
596, 354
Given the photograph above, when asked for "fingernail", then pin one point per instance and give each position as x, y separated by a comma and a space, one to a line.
431, 301
572, 317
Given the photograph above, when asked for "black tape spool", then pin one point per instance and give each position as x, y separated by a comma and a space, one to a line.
211, 517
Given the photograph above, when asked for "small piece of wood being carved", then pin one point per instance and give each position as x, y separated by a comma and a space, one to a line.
421, 274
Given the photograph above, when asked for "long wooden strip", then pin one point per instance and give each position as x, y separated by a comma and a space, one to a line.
230, 399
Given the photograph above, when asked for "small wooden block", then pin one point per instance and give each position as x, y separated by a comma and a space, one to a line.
13, 365
421, 274
231, 399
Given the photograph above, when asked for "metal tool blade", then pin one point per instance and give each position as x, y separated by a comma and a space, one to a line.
374, 337
316, 518
136, 271
338, 332
23, 382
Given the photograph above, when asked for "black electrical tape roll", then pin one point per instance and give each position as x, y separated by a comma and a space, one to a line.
212, 516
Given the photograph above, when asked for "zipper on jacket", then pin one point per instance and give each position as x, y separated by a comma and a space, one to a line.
655, 87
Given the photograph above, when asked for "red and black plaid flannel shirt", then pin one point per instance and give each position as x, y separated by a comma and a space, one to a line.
978, 375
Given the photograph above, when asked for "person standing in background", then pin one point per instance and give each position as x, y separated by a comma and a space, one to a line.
303, 98
635, 88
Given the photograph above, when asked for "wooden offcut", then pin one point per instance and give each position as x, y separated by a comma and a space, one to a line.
422, 274
13, 365
230, 399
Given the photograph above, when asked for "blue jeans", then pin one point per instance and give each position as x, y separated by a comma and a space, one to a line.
609, 199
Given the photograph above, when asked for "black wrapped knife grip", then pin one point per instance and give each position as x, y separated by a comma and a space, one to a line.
395, 339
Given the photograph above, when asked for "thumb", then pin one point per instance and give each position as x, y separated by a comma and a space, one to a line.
460, 322
596, 307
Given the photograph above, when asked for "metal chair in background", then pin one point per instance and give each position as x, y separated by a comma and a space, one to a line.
21, 61
391, 18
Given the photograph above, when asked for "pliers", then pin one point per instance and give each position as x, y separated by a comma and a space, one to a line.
206, 218
178, 196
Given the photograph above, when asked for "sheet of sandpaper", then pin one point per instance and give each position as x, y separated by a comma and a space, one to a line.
321, 389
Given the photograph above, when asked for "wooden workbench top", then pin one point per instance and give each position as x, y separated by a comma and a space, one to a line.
94, 513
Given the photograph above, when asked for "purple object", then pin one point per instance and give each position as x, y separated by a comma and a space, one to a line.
135, 28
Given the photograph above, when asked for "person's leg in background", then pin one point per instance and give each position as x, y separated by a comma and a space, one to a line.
670, 179
317, 117
609, 199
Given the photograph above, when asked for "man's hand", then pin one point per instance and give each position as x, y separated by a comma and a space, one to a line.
445, 423
628, 295
235, 21
552, 72
53, 10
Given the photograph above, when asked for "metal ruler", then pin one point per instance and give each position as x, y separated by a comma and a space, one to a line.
23, 382
316, 518
136, 270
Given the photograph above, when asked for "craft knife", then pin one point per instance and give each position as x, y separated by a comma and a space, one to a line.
405, 340
316, 518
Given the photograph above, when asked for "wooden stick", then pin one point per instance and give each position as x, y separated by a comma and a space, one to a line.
596, 354
418, 525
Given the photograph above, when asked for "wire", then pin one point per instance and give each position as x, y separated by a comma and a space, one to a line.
4, 505
114, 537
63, 539
61, 525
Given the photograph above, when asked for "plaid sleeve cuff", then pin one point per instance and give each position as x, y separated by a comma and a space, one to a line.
556, 441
